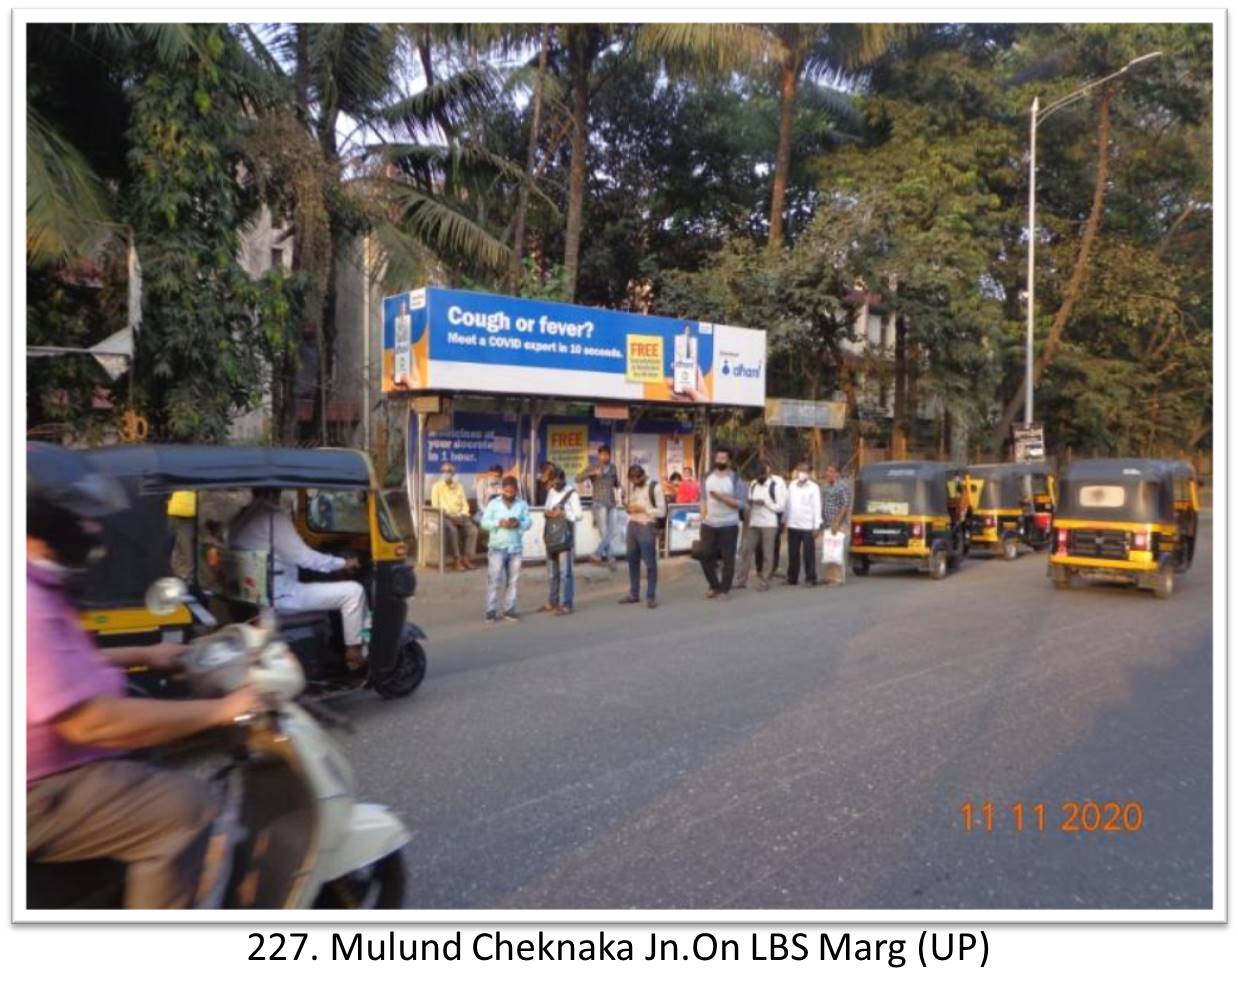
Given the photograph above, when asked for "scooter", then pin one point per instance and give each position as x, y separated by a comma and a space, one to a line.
290, 833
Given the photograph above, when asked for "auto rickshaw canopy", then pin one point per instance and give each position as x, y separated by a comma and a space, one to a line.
1118, 490
165, 469
909, 487
1006, 485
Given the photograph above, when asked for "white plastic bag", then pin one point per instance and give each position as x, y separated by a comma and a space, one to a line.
833, 547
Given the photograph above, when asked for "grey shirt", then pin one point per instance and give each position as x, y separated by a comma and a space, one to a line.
719, 514
605, 482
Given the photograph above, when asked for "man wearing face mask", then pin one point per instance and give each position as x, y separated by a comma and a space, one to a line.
803, 525
766, 498
85, 798
460, 531
722, 502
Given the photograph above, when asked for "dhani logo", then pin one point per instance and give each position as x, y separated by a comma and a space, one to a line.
740, 370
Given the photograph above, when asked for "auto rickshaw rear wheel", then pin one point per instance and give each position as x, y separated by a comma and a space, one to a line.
1060, 576
939, 563
1163, 584
1010, 548
860, 565
405, 674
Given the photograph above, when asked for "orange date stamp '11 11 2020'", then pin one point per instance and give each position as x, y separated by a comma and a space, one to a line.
1086, 816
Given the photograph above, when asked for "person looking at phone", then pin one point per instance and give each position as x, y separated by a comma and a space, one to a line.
506, 519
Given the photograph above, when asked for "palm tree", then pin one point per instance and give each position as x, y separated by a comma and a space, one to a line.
791, 53
406, 171
535, 114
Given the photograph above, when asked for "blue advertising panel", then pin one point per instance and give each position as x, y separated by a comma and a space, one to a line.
438, 339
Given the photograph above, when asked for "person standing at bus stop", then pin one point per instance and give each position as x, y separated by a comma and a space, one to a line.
766, 497
646, 508
506, 520
605, 480
836, 513
803, 510
722, 501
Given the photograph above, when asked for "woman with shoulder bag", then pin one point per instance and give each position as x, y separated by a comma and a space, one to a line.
563, 511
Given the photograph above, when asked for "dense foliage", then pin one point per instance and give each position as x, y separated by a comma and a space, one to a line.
776, 176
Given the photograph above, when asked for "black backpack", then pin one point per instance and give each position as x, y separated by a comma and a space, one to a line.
557, 534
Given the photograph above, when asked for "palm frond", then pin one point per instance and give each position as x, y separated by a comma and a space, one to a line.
721, 47
458, 165
173, 43
447, 230
67, 205
840, 105
352, 65
404, 259
447, 105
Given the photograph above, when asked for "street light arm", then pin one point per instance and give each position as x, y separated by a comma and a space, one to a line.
1074, 95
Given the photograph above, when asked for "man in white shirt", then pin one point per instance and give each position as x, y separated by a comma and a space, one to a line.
264, 525
767, 496
803, 510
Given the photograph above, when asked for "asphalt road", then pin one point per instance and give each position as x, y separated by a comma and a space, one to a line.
806, 749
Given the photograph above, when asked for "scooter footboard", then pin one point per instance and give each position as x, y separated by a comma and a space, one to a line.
373, 832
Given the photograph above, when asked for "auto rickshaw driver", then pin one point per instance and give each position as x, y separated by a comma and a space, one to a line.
264, 524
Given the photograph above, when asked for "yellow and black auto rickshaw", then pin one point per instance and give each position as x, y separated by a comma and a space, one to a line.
182, 499
912, 513
1012, 507
1121, 519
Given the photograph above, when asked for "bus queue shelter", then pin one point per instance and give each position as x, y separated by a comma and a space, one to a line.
491, 379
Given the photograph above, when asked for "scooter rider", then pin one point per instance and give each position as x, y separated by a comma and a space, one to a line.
85, 798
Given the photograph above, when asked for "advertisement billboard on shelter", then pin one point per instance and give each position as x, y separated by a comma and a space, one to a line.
449, 340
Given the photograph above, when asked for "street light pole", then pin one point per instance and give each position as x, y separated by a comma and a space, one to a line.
1031, 267
1037, 115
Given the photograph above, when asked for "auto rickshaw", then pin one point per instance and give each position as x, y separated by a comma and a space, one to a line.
1186, 507
190, 492
1012, 507
1122, 519
911, 512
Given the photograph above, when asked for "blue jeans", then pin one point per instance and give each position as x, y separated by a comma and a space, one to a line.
643, 545
503, 571
560, 566
604, 517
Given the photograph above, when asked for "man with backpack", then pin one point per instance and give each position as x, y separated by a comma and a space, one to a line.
722, 502
767, 496
646, 508
562, 513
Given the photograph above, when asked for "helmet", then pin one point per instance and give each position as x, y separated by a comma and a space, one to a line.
64, 495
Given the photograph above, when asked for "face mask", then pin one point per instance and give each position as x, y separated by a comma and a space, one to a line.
802, 475
719, 465
763, 477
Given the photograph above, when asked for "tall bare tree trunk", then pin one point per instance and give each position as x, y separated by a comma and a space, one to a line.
579, 59
327, 325
788, 84
1078, 276
522, 206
